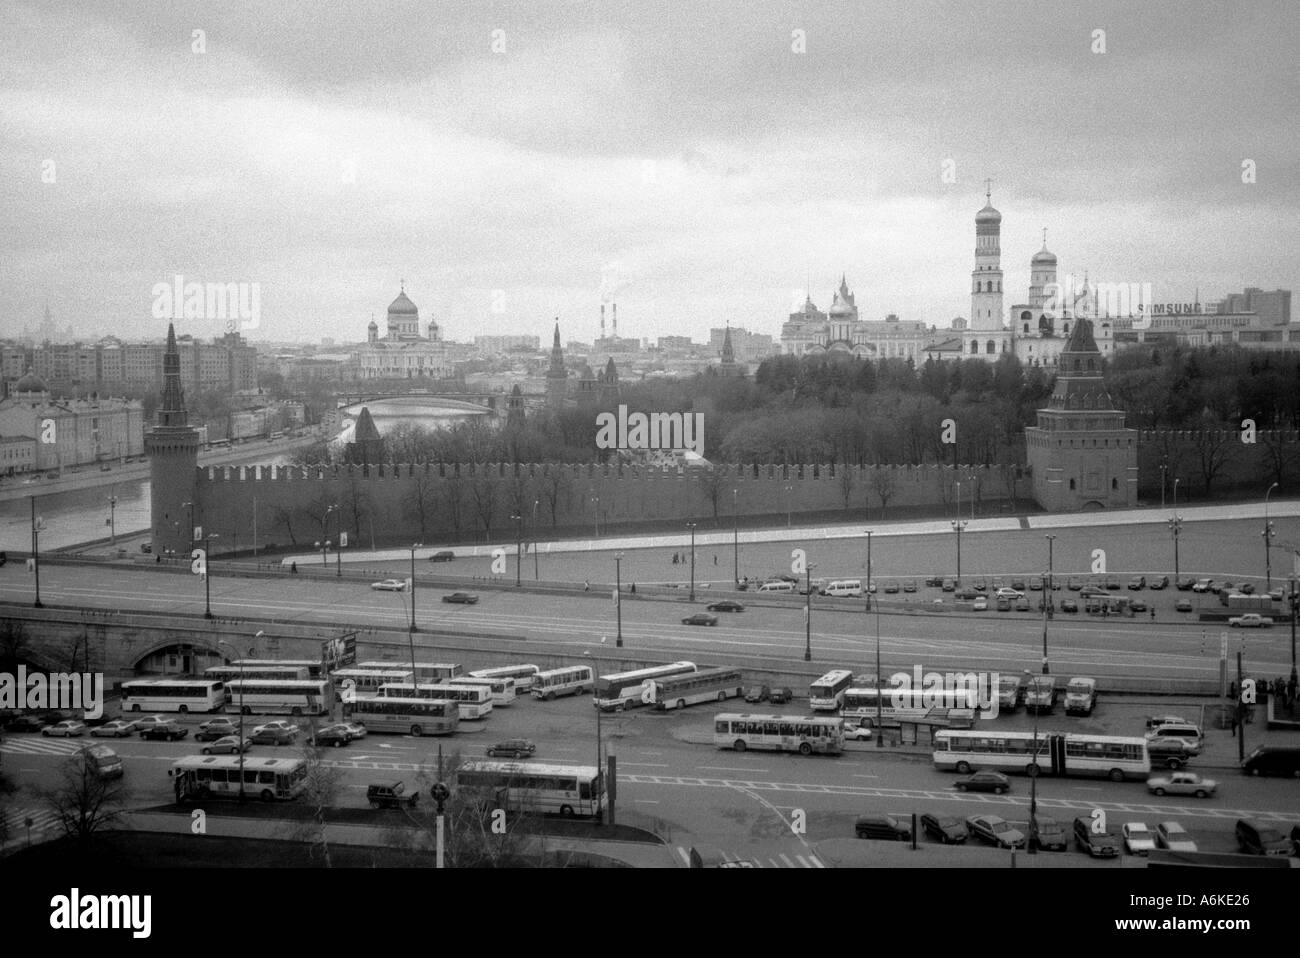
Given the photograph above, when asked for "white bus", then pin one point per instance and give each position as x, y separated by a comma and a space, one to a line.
503, 689
275, 696
424, 671
524, 675
1057, 753
843, 587
706, 685
804, 734
413, 716
827, 693
201, 777
368, 681
173, 695
225, 673
571, 680
313, 666
534, 787
861, 706
627, 689
474, 701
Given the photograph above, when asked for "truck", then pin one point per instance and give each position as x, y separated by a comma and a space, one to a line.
1251, 620
1080, 696
1008, 693
1040, 694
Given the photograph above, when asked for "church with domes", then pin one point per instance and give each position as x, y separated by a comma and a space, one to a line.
402, 352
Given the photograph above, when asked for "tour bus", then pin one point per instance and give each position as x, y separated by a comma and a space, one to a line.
275, 696
503, 689
804, 734
413, 716
621, 690
844, 587
1057, 753
225, 673
424, 671
368, 681
827, 693
201, 777
524, 675
691, 688
570, 680
534, 787
173, 695
893, 706
313, 666
473, 701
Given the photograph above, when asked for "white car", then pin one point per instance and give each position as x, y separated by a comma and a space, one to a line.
1005, 593
1250, 620
1138, 839
279, 725
389, 585
65, 729
1174, 837
981, 604
858, 733
114, 729
149, 721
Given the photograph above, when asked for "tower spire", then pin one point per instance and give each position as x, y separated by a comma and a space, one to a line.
988, 190
1044, 237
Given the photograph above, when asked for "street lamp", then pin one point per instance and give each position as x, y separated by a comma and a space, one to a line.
788, 490
618, 595
1268, 536
519, 545
536, 572
807, 612
1295, 606
338, 549
207, 574
596, 501
1033, 785
1175, 526
240, 658
1047, 598
414, 546
868, 568
36, 553
735, 535
691, 526
324, 548
1164, 467
112, 519
957, 526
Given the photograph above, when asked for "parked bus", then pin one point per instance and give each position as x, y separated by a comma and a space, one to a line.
804, 734
173, 695
413, 716
534, 787
827, 693
225, 673
424, 671
275, 696
1057, 753
894, 706
570, 680
524, 675
313, 666
706, 685
474, 701
201, 777
368, 681
627, 689
503, 689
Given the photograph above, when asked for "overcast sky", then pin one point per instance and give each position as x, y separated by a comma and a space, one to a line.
681, 158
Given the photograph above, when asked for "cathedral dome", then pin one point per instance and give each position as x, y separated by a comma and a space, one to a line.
988, 215
31, 383
1044, 258
402, 306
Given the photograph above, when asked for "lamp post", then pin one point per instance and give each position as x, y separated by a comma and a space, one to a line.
36, 553
807, 612
1175, 526
957, 526
596, 501
324, 548
241, 710
1047, 597
1033, 786
869, 580
1295, 606
691, 526
537, 575
618, 596
207, 574
519, 545
788, 491
1163, 469
735, 536
1268, 536
338, 548
112, 520
414, 546
880, 738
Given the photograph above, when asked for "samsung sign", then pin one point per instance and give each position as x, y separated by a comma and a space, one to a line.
1175, 309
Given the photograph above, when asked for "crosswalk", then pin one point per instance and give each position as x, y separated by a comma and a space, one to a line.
43, 820
778, 860
40, 745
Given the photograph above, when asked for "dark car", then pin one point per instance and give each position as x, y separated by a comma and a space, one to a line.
214, 729
1051, 836
334, 736
462, 598
909, 585
980, 585
1158, 582
1254, 838
1036, 584
1246, 588
169, 732
1271, 760
884, 827
757, 693
512, 748
782, 695
391, 795
1137, 582
949, 585
1112, 583
984, 781
947, 829
1069, 605
934, 581
1184, 584
1074, 584
1183, 605
1097, 844
1137, 605
700, 618
27, 723
994, 830
446, 555
1022, 604
1169, 753
228, 744
1018, 584
727, 605
891, 587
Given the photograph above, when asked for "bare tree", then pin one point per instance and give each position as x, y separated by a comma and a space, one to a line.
555, 489
357, 505
322, 786
283, 516
452, 491
1279, 455
14, 644
846, 483
712, 486
485, 494
421, 501
884, 485
83, 803
1212, 448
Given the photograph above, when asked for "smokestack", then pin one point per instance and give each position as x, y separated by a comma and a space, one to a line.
602, 320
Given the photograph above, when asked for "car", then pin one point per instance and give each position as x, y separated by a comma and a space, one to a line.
1155, 721
355, 729
1051, 836
446, 555
1137, 605
781, 696
980, 585
949, 585
1276, 594
214, 729
1271, 760
391, 795
998, 583
727, 605
885, 827
1182, 783
933, 581
1246, 588
1138, 839
65, 729
757, 693
1228, 587
1068, 605
1003, 603
700, 618
945, 829
1183, 584
967, 595
1171, 753
512, 748
1183, 605
981, 604
146, 548
27, 723
1074, 584
891, 587
909, 585
1203, 585
994, 830
1137, 582
275, 733
335, 736
148, 721
169, 732
461, 598
1158, 582
984, 781
1191, 736
1254, 838
1036, 584
1174, 837
1092, 592
1112, 583
1018, 585
1097, 844
857, 733
118, 728
1251, 620
1022, 604
783, 577
1005, 593
228, 745
389, 585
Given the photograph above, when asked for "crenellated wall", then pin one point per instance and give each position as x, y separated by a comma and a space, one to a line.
1189, 455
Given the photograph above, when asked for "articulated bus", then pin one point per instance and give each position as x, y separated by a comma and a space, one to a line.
627, 689
901, 705
524, 675
414, 716
314, 668
474, 701
706, 685
535, 787
424, 671
224, 673
173, 695
368, 681
201, 777
571, 680
503, 689
1057, 753
804, 734
827, 693
275, 696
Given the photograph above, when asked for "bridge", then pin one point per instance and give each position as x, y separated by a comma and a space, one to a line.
351, 402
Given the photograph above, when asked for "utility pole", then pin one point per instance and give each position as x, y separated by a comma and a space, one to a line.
1268, 535
807, 613
735, 535
1047, 598
36, 554
537, 575
691, 526
958, 526
618, 598
414, 546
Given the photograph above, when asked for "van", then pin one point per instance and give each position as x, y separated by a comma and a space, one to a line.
1080, 696
1187, 733
776, 587
842, 587
103, 760
1254, 838
1272, 760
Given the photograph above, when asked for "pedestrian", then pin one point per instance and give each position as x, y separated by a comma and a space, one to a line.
674, 558
1153, 614
715, 558
293, 567
586, 585
634, 588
